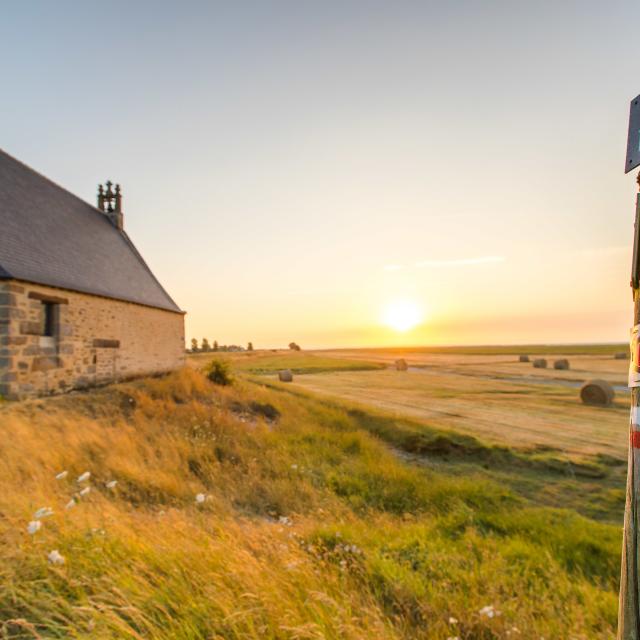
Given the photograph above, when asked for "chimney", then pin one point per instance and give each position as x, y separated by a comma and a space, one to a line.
110, 203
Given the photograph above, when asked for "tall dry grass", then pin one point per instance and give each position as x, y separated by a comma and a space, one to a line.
311, 528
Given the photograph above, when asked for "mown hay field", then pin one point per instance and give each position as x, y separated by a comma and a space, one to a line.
260, 510
582, 365
511, 413
493, 397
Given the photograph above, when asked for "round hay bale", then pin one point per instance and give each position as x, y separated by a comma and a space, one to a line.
401, 365
597, 392
563, 363
621, 355
524, 358
285, 375
540, 363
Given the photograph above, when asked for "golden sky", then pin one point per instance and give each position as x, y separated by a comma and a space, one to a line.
307, 171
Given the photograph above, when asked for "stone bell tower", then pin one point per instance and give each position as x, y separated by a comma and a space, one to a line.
110, 203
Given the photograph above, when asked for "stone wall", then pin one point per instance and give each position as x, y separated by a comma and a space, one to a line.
94, 340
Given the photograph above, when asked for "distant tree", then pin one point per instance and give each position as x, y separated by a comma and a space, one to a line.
250, 346
215, 345
205, 345
194, 345
294, 347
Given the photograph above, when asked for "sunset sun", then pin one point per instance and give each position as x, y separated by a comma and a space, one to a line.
402, 315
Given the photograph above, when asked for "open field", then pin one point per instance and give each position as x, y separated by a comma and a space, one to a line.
521, 414
575, 454
319, 520
260, 362
493, 397
583, 366
491, 350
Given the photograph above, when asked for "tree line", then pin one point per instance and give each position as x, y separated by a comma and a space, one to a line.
205, 347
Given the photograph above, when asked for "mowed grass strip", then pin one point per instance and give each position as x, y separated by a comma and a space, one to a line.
606, 349
299, 362
310, 528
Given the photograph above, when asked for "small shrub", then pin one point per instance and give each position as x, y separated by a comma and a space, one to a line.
219, 372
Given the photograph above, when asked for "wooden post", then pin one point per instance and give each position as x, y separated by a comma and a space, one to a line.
628, 612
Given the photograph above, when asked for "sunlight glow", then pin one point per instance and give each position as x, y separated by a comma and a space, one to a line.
402, 315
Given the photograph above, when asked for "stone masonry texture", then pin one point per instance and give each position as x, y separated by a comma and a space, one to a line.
95, 340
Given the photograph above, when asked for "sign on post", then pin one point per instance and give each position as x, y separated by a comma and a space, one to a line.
629, 609
633, 139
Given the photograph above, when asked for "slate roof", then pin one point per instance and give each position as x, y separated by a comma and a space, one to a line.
49, 236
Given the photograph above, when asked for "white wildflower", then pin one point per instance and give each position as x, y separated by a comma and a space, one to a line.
284, 520
85, 491
43, 512
55, 557
62, 475
453, 620
70, 504
34, 526
488, 611
84, 477
111, 484
294, 466
200, 498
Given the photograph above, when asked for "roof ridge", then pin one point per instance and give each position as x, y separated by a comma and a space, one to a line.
53, 182
83, 208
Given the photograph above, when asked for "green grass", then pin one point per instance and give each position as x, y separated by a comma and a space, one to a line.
313, 526
494, 350
591, 485
266, 362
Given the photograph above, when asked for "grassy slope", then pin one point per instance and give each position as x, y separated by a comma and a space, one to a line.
593, 485
144, 561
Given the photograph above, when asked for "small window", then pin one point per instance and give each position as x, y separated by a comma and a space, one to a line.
49, 319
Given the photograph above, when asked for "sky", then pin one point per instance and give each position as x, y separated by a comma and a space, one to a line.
348, 173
